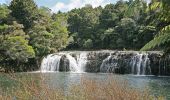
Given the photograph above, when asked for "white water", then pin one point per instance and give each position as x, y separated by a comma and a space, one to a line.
77, 65
140, 64
105, 66
82, 62
52, 62
72, 63
108, 65
134, 63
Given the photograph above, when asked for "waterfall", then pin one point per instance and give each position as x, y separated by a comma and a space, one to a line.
72, 63
118, 62
82, 61
140, 64
105, 66
164, 64
160, 67
109, 64
52, 62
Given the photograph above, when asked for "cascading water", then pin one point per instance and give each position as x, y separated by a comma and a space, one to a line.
140, 64
72, 63
106, 66
164, 66
146, 65
52, 62
82, 61
109, 64
120, 62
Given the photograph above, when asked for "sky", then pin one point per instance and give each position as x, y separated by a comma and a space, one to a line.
67, 5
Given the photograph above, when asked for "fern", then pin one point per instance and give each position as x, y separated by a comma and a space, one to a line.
162, 39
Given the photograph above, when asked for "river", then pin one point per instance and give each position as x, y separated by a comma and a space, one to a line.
157, 86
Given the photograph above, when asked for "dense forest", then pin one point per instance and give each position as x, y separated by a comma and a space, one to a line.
28, 32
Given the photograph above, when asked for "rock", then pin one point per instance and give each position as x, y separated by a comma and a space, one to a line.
64, 64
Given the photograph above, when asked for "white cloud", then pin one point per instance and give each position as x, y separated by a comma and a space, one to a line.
58, 6
78, 4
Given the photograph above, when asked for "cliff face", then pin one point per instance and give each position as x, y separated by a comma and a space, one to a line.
119, 62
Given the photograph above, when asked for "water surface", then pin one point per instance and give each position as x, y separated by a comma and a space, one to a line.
158, 86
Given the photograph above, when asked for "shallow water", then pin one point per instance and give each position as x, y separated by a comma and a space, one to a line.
158, 86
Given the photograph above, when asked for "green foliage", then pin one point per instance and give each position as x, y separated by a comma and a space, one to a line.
3, 28
82, 24
88, 44
110, 27
4, 11
145, 34
60, 32
17, 48
40, 40
135, 8
50, 37
27, 33
44, 17
163, 16
14, 43
108, 17
163, 39
25, 11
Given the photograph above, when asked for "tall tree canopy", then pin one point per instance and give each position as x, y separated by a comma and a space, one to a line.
25, 11
28, 33
162, 39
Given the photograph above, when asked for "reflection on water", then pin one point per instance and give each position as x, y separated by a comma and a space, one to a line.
158, 86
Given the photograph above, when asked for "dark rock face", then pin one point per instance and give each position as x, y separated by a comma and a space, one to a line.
64, 64
95, 60
164, 66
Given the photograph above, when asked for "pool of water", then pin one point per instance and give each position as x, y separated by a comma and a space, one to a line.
158, 86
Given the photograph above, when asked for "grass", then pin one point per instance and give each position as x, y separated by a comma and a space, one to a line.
87, 89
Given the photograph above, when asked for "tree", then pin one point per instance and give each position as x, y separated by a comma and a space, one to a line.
145, 34
60, 32
108, 17
14, 47
40, 40
88, 44
121, 7
82, 24
15, 44
44, 17
49, 38
4, 12
109, 38
17, 48
163, 15
127, 33
25, 11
